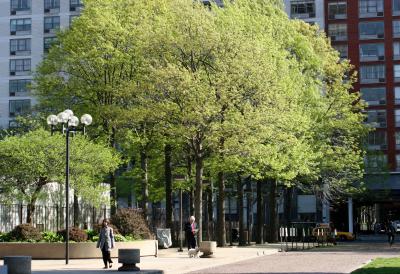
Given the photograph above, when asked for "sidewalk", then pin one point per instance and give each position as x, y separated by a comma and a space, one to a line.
169, 260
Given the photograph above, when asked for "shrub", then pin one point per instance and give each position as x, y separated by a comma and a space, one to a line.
91, 233
97, 228
131, 222
51, 237
75, 234
26, 233
5, 237
119, 238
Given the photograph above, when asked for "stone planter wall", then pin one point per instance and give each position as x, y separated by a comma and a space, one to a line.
76, 250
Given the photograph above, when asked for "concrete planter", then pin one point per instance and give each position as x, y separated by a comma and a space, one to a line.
76, 250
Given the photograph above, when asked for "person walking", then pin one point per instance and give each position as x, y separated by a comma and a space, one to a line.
390, 231
191, 230
106, 243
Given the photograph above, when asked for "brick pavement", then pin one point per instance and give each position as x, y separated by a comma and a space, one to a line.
342, 259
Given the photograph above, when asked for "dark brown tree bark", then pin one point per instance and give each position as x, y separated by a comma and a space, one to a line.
112, 181
242, 238
272, 236
199, 194
76, 211
210, 210
221, 240
145, 183
260, 213
168, 186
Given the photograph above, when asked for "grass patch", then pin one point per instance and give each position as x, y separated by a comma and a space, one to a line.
381, 266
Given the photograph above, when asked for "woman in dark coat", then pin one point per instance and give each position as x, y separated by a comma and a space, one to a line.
106, 243
191, 230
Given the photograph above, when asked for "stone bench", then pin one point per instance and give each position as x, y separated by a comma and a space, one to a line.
208, 248
18, 264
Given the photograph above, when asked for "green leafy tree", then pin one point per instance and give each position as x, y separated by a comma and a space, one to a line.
36, 159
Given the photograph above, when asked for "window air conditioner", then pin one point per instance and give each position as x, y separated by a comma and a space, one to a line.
13, 12
46, 31
12, 114
379, 14
12, 53
13, 32
381, 80
72, 9
382, 102
381, 58
46, 10
381, 35
12, 73
12, 93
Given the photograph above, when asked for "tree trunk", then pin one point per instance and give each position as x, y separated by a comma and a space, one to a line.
221, 240
199, 194
210, 225
30, 211
242, 240
273, 225
260, 213
145, 185
287, 205
191, 192
76, 211
168, 186
113, 192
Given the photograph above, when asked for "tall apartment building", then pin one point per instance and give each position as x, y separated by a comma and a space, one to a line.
27, 29
367, 32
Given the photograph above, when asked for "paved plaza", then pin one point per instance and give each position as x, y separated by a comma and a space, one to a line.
341, 259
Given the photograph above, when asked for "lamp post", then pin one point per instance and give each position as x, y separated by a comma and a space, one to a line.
180, 178
69, 124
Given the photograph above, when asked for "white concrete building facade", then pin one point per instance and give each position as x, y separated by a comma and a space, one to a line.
27, 28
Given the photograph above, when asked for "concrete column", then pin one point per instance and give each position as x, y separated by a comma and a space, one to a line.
350, 211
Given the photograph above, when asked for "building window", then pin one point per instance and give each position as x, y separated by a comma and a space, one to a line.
48, 42
373, 162
397, 95
377, 140
20, 5
20, 26
372, 74
51, 4
371, 30
342, 49
74, 4
396, 28
302, 9
376, 118
72, 18
20, 66
337, 10
19, 107
396, 50
337, 32
396, 72
396, 7
51, 23
397, 117
371, 8
372, 52
19, 87
374, 96
20, 46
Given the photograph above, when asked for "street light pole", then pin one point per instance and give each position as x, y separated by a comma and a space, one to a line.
67, 195
180, 221
69, 124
